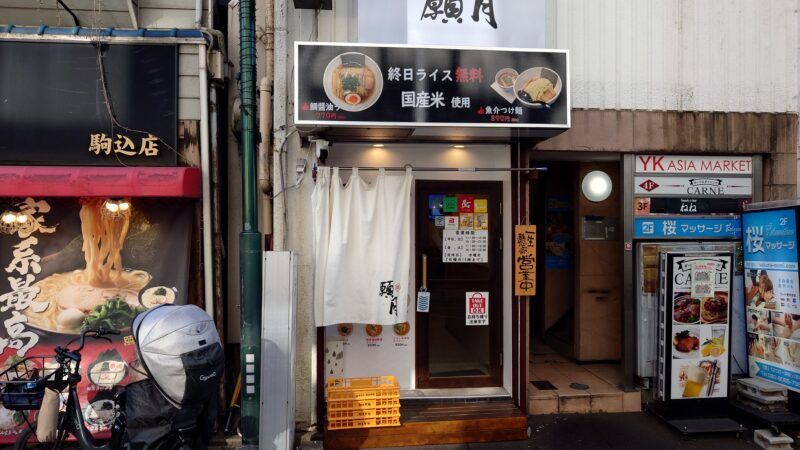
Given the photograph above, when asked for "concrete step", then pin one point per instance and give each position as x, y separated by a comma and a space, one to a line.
584, 403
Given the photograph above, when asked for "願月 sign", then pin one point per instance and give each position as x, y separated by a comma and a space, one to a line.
477, 308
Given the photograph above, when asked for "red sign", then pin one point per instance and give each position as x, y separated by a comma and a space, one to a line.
648, 185
477, 304
477, 311
466, 204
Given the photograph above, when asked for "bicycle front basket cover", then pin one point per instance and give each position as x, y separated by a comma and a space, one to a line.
181, 350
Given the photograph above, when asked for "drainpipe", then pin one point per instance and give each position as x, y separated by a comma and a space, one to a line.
250, 247
205, 165
198, 13
264, 126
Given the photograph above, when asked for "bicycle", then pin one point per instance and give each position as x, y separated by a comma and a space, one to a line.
26, 391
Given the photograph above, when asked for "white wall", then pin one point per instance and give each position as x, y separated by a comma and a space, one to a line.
686, 55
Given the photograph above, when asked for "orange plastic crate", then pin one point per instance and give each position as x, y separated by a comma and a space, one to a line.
370, 413
367, 403
364, 423
363, 388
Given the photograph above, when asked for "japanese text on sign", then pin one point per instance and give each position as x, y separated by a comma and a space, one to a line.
25, 263
525, 260
477, 308
452, 9
465, 246
99, 144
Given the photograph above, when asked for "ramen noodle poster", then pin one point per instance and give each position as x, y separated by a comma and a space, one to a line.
697, 342
73, 263
771, 296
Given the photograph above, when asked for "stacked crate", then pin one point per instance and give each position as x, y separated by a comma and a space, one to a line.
363, 402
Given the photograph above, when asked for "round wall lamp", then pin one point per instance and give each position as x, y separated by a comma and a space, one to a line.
596, 186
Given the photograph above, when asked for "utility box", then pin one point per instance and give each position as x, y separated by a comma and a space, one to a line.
278, 350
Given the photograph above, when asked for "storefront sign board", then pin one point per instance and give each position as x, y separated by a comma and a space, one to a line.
643, 206
691, 165
465, 246
402, 85
687, 227
52, 289
700, 186
696, 326
477, 308
60, 117
771, 294
525, 260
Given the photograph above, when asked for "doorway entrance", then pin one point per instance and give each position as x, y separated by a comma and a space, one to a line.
459, 262
576, 317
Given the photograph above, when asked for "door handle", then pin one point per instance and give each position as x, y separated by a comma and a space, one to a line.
424, 285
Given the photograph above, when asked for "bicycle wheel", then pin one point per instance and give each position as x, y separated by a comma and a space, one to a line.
27, 441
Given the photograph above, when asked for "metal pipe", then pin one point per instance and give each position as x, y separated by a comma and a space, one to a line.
205, 165
264, 166
198, 13
265, 121
250, 247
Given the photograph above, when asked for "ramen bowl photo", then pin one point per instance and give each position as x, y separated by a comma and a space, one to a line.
353, 81
538, 87
505, 78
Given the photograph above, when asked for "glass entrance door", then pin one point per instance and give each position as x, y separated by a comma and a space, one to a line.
459, 262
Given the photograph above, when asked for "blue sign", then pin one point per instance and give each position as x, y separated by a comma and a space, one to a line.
770, 239
687, 227
788, 378
772, 291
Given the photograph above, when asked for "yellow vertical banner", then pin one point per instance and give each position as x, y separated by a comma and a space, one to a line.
525, 260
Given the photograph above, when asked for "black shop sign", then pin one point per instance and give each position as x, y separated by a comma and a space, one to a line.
403, 85
85, 103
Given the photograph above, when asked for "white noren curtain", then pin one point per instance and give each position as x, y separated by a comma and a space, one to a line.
362, 246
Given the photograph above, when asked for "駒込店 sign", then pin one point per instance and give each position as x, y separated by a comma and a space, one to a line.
689, 165
771, 295
401, 85
69, 117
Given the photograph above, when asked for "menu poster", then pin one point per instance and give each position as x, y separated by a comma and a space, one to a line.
402, 85
771, 295
697, 334
55, 287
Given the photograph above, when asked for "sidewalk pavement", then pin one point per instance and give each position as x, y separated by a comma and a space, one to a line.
639, 430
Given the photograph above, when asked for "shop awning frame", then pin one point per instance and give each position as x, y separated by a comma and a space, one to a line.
63, 181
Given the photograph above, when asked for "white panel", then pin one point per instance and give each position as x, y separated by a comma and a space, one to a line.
189, 87
188, 109
188, 65
166, 18
724, 55
278, 350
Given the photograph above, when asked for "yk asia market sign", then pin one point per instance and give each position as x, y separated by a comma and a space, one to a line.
72, 263
771, 295
525, 260
691, 165
69, 116
402, 85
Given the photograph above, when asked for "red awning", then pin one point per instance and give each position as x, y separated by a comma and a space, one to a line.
51, 181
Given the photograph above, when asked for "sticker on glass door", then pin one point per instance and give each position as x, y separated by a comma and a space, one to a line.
477, 308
